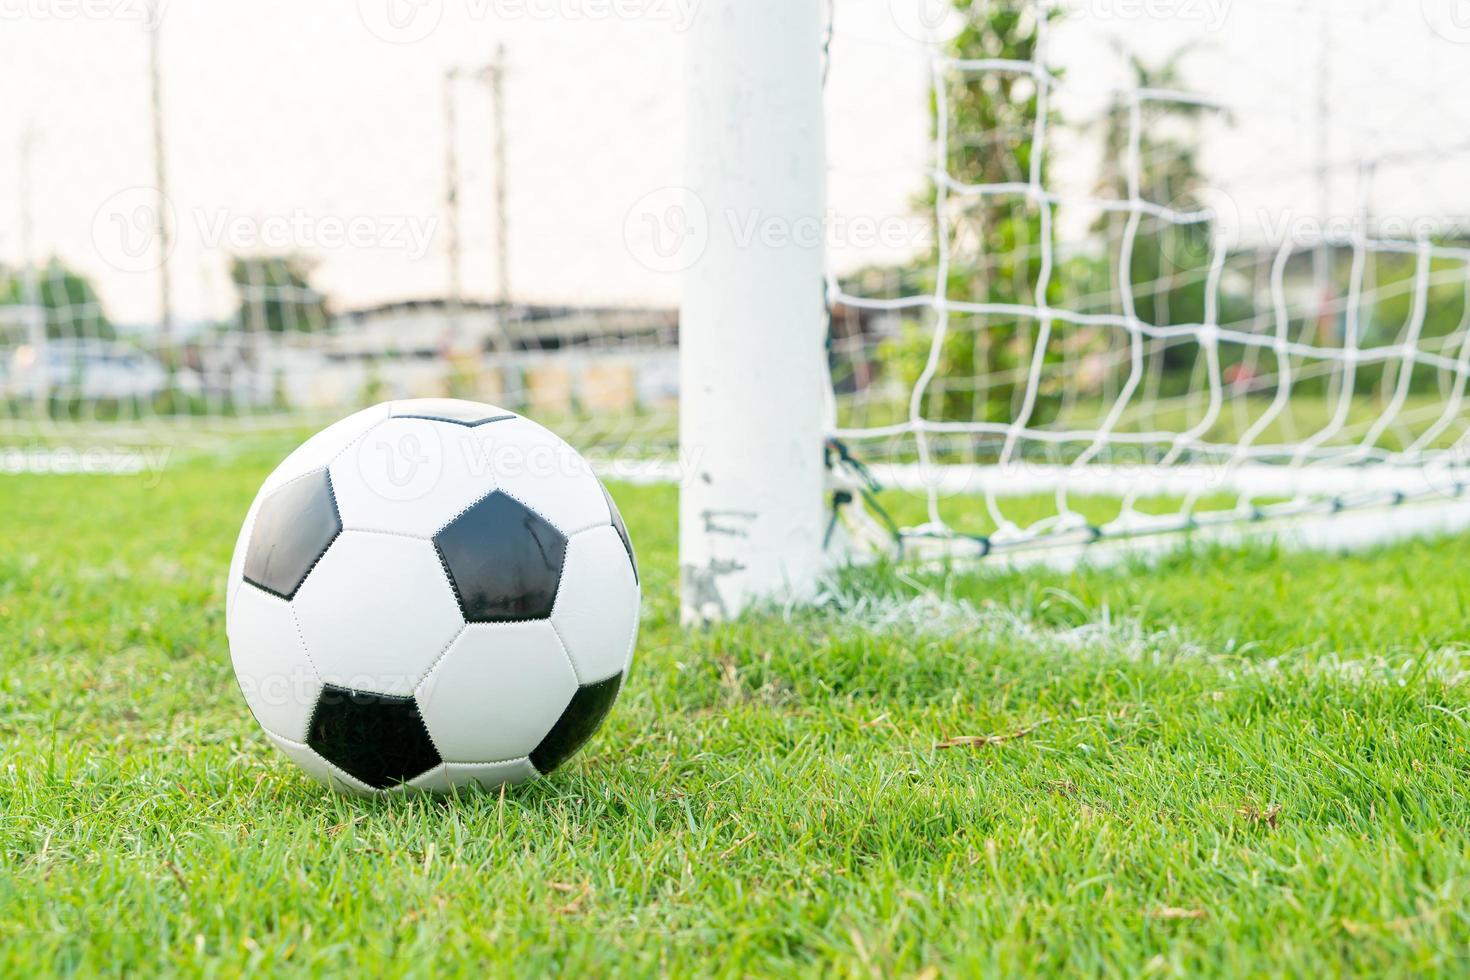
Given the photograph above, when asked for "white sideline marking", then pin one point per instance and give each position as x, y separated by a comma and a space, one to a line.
932, 615
1023, 479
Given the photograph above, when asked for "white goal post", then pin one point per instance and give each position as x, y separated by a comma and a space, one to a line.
752, 322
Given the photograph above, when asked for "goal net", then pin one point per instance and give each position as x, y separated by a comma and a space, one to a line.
1185, 266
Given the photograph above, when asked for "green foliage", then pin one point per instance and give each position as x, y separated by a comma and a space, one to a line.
72, 306
276, 294
994, 254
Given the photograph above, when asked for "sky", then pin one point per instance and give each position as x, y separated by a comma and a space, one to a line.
319, 128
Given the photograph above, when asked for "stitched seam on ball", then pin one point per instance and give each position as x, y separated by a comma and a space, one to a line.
561, 577
297, 479
471, 506
633, 638
449, 421
306, 651
449, 575
566, 535
566, 652
497, 762
356, 439
435, 666
329, 463
347, 777
386, 534
424, 724
549, 522
568, 557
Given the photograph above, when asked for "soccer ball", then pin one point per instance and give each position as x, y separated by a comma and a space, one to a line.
432, 594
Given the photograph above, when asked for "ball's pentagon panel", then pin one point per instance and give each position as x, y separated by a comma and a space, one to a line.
579, 722
376, 738
430, 595
293, 529
504, 560
454, 411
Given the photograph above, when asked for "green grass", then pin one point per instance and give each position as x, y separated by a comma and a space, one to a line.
1230, 763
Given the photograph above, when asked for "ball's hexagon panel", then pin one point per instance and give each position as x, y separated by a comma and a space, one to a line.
293, 529
377, 613
539, 469
272, 665
409, 476
318, 452
320, 769
455, 411
489, 776
504, 560
497, 692
377, 739
596, 611
578, 723
622, 529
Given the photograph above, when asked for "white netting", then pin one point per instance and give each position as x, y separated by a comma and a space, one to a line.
1209, 271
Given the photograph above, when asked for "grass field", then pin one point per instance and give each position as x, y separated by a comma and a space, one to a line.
1232, 762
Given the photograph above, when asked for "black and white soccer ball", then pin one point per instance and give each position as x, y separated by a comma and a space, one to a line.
432, 594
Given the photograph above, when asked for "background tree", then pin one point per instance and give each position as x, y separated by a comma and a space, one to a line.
276, 294
994, 240
1169, 262
71, 304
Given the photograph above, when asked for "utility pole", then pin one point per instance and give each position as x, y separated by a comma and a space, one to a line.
495, 76
160, 179
451, 202
35, 314
1322, 258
